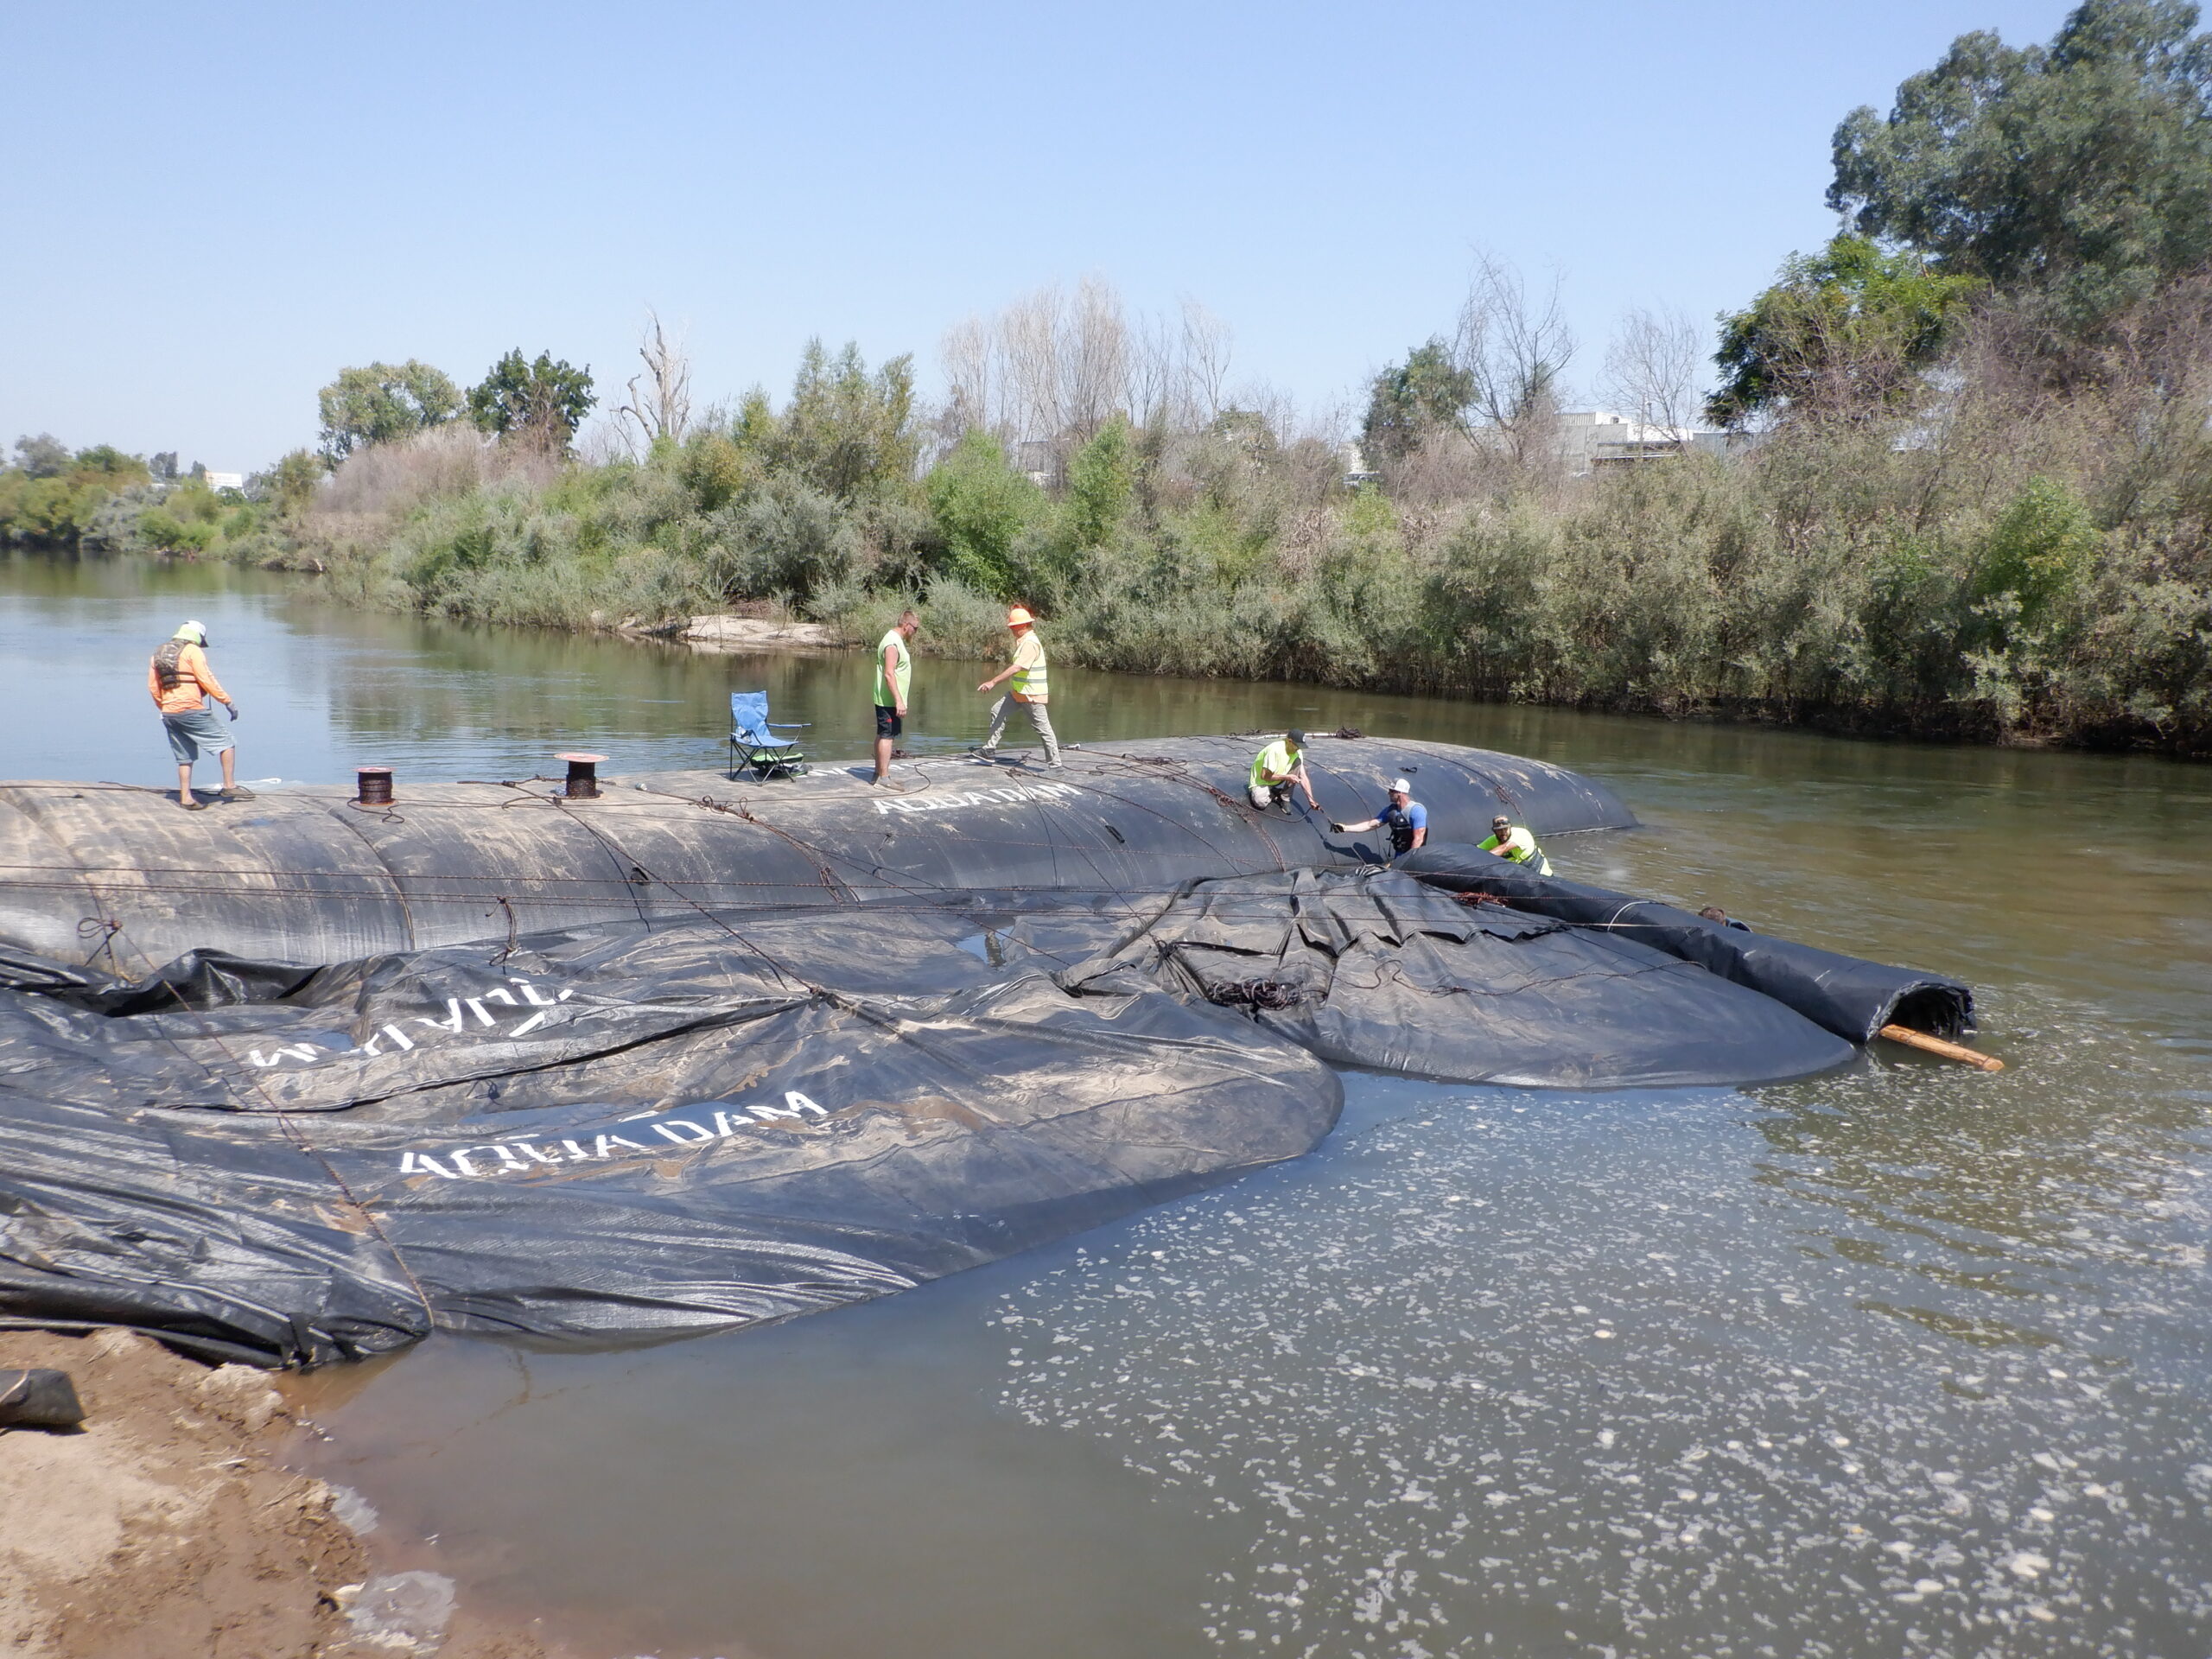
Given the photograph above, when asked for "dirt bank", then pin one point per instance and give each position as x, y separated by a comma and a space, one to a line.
739, 632
165, 1528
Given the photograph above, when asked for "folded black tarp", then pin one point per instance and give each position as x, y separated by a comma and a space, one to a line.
625, 1132
1383, 971
1845, 994
608, 1134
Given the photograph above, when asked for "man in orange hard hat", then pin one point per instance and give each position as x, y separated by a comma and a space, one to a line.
1029, 689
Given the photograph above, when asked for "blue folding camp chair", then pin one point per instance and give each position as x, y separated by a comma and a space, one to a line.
754, 745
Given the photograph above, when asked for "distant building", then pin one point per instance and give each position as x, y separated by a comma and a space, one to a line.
1591, 438
226, 480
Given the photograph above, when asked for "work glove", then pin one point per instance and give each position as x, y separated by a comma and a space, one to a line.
233, 708
1335, 828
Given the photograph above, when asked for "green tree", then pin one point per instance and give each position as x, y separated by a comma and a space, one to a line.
290, 485
382, 402
53, 503
2082, 170
715, 469
43, 456
1102, 480
848, 432
1850, 326
2039, 550
542, 401
1425, 393
981, 506
105, 463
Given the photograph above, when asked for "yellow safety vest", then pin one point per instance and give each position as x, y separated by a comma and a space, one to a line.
1273, 764
1520, 848
905, 671
1029, 679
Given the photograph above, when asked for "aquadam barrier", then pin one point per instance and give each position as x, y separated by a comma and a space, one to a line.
120, 877
309, 1078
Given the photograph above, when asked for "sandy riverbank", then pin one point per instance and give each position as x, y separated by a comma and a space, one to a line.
167, 1527
755, 633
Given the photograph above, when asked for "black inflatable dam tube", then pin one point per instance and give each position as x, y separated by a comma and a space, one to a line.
1849, 997
121, 878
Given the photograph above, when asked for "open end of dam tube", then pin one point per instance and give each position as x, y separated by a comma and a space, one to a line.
308, 1080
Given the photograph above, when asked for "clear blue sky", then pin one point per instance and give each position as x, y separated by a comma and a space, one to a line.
208, 210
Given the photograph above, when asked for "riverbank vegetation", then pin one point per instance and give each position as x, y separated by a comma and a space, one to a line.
1963, 486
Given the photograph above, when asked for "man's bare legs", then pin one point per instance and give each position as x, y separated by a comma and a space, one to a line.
229, 758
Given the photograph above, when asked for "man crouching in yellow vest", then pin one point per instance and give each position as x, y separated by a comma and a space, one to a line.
1278, 768
1030, 689
1511, 841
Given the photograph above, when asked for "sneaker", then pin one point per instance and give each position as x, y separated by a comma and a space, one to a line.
237, 792
196, 805
984, 757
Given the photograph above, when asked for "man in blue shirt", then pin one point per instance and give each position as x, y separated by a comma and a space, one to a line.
1406, 818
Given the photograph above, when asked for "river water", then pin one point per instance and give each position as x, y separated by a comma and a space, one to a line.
1903, 1360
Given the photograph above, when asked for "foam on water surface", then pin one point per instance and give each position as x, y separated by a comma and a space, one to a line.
1899, 1361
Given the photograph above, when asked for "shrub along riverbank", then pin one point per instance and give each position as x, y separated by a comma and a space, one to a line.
2038, 573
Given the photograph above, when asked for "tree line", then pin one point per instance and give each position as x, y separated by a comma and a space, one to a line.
1966, 489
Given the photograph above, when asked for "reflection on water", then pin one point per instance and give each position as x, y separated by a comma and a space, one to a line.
1905, 1359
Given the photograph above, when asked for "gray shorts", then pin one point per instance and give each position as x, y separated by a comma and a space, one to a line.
194, 732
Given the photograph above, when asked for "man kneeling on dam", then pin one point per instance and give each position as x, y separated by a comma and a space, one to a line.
1277, 768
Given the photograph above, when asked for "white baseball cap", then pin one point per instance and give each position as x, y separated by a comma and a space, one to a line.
1400, 786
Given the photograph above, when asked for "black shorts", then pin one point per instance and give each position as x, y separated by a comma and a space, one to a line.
889, 723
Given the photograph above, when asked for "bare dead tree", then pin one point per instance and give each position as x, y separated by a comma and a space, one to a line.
1515, 349
1206, 352
1155, 378
1093, 360
971, 374
1652, 364
1029, 349
659, 405
1044, 374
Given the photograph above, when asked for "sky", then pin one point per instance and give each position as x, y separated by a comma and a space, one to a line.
209, 210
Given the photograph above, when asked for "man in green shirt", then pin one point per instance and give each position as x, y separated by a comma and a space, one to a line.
1278, 766
894, 672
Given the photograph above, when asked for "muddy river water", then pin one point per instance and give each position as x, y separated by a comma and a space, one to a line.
1904, 1359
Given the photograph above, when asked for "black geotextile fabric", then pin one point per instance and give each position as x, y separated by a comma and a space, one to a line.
601, 1134
1379, 970
624, 1132
1847, 995
122, 878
